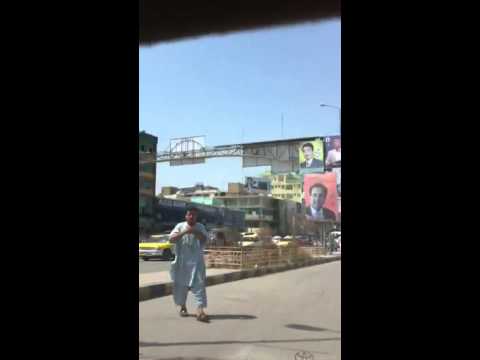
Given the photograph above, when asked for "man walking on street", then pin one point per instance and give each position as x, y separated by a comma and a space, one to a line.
188, 269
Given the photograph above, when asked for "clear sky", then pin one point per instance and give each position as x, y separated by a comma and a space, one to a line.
234, 88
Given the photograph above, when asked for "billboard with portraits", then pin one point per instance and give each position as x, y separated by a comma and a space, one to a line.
257, 185
320, 196
310, 156
333, 151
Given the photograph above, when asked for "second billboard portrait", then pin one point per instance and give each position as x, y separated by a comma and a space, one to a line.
320, 191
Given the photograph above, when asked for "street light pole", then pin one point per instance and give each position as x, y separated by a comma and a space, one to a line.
339, 114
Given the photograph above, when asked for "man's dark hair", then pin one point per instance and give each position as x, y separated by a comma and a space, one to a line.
191, 208
310, 145
325, 190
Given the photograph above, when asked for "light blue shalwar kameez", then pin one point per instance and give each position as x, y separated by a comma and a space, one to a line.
188, 269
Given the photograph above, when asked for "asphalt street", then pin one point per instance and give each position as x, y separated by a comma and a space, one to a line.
153, 266
288, 315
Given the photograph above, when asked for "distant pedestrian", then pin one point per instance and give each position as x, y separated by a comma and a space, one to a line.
188, 269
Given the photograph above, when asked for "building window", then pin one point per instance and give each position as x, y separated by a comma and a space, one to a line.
142, 148
150, 150
147, 184
149, 168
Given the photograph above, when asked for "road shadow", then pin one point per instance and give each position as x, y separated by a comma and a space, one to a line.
155, 260
231, 317
186, 358
309, 328
226, 317
152, 344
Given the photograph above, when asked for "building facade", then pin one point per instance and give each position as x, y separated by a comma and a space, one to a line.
169, 212
146, 181
287, 187
199, 193
261, 211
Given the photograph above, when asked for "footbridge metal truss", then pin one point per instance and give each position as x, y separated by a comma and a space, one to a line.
281, 155
199, 154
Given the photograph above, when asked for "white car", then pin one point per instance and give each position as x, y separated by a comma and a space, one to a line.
276, 239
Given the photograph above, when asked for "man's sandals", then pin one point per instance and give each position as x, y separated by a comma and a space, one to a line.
203, 318
183, 312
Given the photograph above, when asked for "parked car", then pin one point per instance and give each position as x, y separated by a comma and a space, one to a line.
286, 241
156, 247
252, 236
276, 239
303, 240
251, 243
249, 239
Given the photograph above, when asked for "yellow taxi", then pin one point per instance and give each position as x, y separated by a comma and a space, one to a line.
249, 239
156, 247
286, 241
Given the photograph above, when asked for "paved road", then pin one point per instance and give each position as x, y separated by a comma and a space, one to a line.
271, 317
153, 266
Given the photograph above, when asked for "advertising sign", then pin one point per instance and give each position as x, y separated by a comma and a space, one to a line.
333, 149
310, 156
320, 196
256, 184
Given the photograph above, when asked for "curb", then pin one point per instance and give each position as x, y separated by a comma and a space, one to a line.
159, 290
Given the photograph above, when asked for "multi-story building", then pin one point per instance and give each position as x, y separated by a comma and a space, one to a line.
169, 212
261, 211
287, 212
199, 193
205, 200
146, 180
169, 190
287, 187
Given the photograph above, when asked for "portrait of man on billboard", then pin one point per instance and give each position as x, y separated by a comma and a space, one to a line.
311, 156
333, 148
320, 196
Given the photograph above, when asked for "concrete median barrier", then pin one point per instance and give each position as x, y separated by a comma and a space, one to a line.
152, 291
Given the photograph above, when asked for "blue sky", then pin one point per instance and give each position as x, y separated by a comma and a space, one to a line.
234, 88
